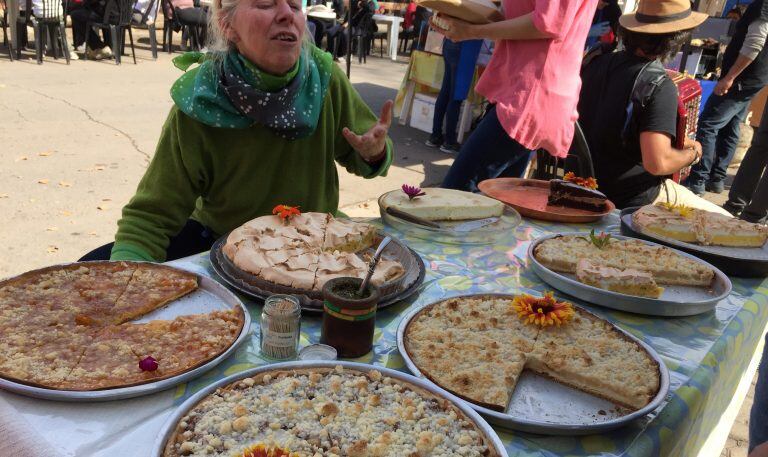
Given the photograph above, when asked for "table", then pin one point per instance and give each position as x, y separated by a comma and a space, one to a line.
706, 355
393, 22
330, 16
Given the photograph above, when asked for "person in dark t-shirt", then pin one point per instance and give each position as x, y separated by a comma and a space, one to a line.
633, 152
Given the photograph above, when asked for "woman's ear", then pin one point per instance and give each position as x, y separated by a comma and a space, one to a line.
229, 33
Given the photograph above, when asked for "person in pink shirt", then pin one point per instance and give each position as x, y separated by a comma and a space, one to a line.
532, 82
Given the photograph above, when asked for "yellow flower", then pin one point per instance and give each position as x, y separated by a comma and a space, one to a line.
544, 311
685, 211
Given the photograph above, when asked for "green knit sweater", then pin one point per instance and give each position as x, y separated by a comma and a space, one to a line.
225, 177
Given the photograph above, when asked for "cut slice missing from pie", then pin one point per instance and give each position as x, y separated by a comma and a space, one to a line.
57, 326
477, 347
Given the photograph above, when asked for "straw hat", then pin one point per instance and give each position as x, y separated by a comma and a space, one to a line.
662, 16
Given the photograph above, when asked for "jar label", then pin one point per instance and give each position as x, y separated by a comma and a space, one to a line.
278, 339
348, 314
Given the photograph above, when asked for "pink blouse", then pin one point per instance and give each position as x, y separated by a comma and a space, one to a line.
535, 83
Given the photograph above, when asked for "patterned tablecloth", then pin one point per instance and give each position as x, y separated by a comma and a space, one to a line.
706, 356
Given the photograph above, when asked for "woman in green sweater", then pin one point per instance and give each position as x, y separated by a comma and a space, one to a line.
261, 121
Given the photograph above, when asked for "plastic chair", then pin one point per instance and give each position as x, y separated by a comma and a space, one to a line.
151, 26
117, 18
173, 24
579, 160
50, 22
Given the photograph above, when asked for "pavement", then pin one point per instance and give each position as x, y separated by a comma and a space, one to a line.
77, 138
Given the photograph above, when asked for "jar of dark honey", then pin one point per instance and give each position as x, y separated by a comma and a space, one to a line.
349, 320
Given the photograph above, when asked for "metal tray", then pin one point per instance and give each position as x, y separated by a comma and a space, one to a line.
675, 301
542, 406
488, 234
312, 301
741, 262
170, 425
209, 296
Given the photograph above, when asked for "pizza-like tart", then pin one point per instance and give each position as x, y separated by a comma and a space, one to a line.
327, 412
67, 327
477, 347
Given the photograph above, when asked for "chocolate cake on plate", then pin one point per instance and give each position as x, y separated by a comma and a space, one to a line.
566, 193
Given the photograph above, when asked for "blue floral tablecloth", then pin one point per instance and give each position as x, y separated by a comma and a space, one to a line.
706, 354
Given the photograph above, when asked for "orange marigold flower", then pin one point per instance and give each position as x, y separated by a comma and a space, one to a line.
260, 450
286, 212
589, 183
544, 311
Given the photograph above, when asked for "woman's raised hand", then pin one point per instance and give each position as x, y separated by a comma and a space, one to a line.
372, 144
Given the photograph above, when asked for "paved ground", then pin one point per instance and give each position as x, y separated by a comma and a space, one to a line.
76, 139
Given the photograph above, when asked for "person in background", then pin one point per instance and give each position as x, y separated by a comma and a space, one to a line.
748, 197
191, 15
532, 82
605, 24
91, 11
744, 73
336, 39
632, 147
459, 59
262, 120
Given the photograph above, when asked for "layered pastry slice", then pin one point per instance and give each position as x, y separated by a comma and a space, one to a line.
573, 195
720, 230
627, 281
659, 220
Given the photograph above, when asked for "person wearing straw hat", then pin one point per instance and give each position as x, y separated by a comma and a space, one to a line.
628, 109
744, 73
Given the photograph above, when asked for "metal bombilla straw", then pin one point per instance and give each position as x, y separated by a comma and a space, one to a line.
372, 265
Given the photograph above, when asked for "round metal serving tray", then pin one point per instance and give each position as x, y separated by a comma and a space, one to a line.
312, 300
542, 406
170, 425
446, 234
675, 301
741, 262
209, 296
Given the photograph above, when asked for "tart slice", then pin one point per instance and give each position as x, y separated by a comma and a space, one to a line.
659, 220
627, 281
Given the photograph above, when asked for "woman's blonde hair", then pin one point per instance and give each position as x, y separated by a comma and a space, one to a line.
223, 11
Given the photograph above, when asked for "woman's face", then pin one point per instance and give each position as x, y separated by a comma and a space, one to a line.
268, 33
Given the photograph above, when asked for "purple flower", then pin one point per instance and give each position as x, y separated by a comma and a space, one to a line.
412, 191
148, 364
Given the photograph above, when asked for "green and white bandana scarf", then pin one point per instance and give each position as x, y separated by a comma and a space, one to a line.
238, 95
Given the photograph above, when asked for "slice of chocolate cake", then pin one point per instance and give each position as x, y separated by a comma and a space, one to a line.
571, 195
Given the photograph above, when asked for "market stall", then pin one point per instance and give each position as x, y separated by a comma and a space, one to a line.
707, 356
